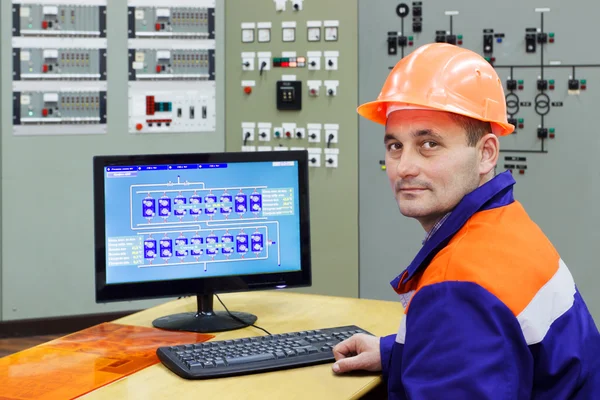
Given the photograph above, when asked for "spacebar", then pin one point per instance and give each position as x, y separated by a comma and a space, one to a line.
250, 359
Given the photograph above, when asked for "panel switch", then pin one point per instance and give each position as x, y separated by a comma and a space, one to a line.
542, 84
488, 43
331, 60
542, 133
392, 46
573, 84
511, 84
331, 87
530, 44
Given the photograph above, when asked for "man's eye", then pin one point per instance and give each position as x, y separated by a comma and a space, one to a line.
430, 145
394, 146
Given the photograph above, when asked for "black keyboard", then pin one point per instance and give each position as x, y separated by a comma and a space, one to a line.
254, 354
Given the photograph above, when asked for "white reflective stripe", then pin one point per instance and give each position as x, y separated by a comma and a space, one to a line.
405, 298
402, 331
554, 299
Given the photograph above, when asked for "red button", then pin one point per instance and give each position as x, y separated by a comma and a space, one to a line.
45, 68
288, 134
551, 40
158, 69
520, 126
522, 171
139, 127
313, 92
552, 136
247, 90
520, 87
44, 24
158, 27
551, 87
410, 43
583, 87
45, 112
460, 42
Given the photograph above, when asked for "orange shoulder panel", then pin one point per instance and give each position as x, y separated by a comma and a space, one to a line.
503, 251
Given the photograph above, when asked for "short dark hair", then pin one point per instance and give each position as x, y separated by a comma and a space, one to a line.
474, 128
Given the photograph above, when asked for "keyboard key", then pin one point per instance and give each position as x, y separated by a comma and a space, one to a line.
250, 359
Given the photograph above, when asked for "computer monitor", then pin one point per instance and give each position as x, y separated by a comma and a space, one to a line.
173, 225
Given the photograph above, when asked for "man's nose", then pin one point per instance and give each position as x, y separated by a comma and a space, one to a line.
408, 164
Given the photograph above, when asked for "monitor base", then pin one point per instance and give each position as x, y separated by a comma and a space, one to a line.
205, 320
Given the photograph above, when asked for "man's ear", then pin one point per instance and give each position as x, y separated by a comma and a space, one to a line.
489, 151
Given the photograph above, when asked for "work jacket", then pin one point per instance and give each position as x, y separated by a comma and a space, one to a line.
491, 312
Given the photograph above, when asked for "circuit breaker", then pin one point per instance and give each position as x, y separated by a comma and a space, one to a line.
172, 58
290, 79
550, 85
59, 67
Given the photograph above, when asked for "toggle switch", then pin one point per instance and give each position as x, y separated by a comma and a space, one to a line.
542, 84
331, 87
511, 84
313, 59
392, 46
331, 60
248, 61
297, 5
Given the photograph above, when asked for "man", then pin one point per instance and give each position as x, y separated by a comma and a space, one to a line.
491, 310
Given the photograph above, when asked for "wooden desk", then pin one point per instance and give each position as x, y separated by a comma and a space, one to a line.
278, 312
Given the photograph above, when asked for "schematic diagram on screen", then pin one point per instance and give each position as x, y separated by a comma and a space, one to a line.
185, 223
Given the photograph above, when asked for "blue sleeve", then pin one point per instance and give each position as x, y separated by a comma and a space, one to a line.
385, 349
462, 342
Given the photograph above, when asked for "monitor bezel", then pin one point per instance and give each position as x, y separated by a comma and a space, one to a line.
175, 288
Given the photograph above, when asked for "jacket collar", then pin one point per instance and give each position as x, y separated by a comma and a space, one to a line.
497, 192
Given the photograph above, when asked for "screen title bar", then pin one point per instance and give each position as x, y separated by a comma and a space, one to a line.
164, 167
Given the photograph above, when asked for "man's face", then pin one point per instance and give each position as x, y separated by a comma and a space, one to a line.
429, 163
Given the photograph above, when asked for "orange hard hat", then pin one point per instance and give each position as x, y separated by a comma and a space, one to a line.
444, 77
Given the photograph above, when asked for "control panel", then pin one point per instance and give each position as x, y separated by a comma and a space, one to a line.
82, 18
291, 76
59, 67
166, 111
171, 63
64, 111
164, 20
59, 63
190, 64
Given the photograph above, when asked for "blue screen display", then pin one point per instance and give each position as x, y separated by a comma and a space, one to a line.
168, 222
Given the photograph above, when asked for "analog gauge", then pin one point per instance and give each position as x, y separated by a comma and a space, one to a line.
247, 35
331, 33
314, 34
289, 34
264, 35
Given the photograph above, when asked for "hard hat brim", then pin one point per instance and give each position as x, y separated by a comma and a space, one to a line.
376, 111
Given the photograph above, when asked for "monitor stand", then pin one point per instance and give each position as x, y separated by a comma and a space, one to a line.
205, 320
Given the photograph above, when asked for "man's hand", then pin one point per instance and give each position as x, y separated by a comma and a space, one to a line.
358, 352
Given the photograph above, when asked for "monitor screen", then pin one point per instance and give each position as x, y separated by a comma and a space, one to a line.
186, 221
177, 224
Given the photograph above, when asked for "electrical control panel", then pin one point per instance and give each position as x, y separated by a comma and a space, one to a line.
550, 87
290, 84
180, 110
82, 18
172, 58
51, 63
65, 111
188, 64
159, 19
59, 52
